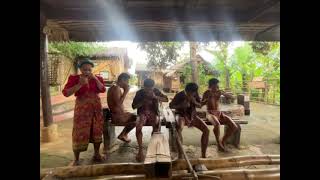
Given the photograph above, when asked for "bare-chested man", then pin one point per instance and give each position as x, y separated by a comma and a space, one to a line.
185, 103
211, 98
115, 100
146, 102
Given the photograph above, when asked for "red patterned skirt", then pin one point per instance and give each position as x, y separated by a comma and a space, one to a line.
87, 122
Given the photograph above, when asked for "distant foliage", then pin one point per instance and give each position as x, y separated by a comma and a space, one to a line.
161, 54
72, 50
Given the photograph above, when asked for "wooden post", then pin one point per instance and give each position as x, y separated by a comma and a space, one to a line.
234, 139
170, 123
109, 136
49, 132
158, 159
109, 133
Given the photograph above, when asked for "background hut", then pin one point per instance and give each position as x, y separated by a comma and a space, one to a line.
111, 63
258, 89
173, 77
143, 72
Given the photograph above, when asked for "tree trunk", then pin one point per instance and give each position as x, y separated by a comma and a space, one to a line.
193, 60
227, 80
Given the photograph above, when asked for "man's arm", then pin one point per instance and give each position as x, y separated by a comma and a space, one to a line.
229, 96
115, 93
160, 96
205, 98
196, 101
177, 102
137, 100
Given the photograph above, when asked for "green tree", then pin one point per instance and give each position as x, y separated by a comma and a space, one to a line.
222, 61
72, 50
244, 62
260, 47
161, 54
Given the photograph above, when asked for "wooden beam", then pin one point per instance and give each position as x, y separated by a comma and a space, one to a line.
158, 159
190, 3
45, 91
266, 30
213, 14
263, 9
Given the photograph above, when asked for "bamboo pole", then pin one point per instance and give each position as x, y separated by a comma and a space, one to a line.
138, 168
189, 166
234, 174
187, 160
131, 177
237, 161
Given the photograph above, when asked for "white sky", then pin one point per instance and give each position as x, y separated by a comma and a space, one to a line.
140, 57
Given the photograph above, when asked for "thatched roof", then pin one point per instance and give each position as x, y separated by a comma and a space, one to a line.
257, 83
113, 53
179, 67
165, 20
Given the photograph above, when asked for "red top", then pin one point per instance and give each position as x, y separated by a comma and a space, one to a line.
74, 79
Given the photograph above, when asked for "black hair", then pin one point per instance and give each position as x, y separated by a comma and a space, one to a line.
148, 82
85, 61
213, 81
123, 76
191, 87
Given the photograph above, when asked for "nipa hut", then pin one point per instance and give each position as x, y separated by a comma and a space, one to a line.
111, 63
143, 72
173, 76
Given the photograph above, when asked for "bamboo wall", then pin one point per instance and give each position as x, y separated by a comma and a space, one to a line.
114, 67
171, 83
156, 76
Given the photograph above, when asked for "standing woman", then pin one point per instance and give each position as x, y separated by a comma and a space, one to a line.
88, 117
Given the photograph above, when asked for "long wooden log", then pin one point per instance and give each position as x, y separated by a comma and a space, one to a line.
234, 174
158, 159
94, 170
237, 161
138, 168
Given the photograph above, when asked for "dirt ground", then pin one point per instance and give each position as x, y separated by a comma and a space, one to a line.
260, 136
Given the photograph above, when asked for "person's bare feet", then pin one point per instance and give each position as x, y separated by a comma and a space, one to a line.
76, 163
221, 148
140, 157
124, 138
97, 158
